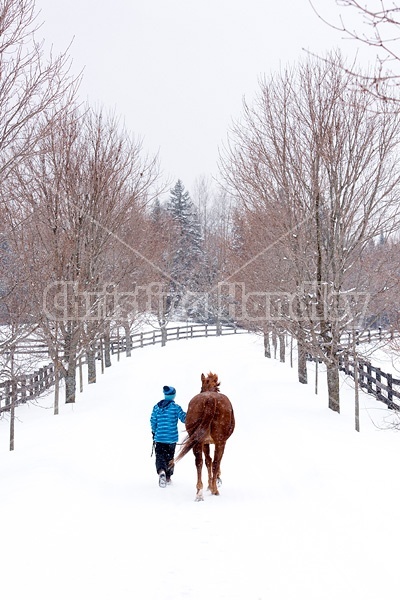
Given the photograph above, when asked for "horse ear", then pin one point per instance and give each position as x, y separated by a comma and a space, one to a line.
202, 377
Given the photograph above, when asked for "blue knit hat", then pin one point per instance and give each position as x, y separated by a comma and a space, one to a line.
169, 392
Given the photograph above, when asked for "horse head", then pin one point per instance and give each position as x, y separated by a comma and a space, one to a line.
209, 383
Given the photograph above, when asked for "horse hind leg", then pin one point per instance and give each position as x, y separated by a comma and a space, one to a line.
207, 456
198, 457
216, 468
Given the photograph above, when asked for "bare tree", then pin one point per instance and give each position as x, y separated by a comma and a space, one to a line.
317, 157
31, 85
34, 87
77, 194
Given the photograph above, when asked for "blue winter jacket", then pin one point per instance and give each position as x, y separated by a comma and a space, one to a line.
164, 421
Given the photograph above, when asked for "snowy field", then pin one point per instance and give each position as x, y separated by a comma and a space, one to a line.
307, 511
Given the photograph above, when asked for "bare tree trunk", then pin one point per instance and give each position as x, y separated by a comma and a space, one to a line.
301, 361
291, 351
80, 374
12, 420
356, 391
164, 334
91, 363
70, 352
56, 386
282, 348
332, 374
101, 351
13, 402
274, 342
70, 381
267, 345
118, 345
218, 326
107, 349
128, 341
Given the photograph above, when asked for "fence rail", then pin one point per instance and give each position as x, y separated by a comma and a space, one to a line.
24, 388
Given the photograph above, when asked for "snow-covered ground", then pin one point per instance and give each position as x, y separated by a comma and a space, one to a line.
307, 511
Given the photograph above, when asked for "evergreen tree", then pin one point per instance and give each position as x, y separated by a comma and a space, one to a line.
188, 260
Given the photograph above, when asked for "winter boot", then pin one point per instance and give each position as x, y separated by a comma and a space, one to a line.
162, 480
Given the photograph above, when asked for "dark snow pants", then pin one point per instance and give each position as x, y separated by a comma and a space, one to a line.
164, 454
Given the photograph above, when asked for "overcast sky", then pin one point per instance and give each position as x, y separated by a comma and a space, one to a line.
176, 71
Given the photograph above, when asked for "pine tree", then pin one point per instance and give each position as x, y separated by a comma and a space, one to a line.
189, 252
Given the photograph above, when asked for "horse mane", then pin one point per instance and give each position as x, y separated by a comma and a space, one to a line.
209, 383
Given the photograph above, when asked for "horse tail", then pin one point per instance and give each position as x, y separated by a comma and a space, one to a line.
200, 428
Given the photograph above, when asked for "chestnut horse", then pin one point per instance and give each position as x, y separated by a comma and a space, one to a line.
209, 420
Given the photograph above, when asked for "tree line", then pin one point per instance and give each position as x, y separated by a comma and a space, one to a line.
298, 236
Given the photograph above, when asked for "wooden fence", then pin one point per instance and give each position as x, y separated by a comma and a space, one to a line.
28, 387
180, 332
373, 380
24, 388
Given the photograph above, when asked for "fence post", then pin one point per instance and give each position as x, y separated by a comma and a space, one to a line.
31, 386
389, 378
378, 381
369, 378
41, 380
35, 384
